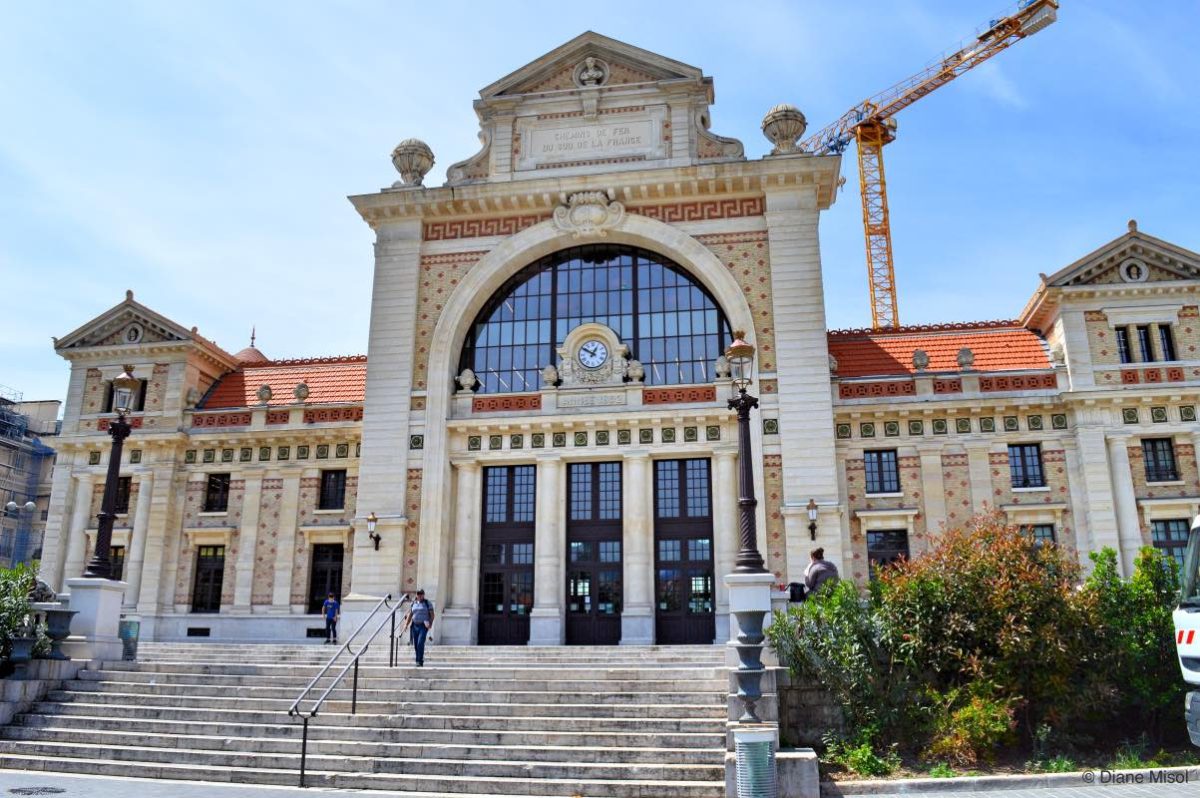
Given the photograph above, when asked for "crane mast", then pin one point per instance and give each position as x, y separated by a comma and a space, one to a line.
871, 124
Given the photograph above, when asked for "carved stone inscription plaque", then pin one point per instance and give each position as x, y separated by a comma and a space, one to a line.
546, 143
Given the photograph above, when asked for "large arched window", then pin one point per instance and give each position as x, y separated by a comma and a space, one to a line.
670, 322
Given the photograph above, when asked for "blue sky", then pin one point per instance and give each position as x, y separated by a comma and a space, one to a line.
201, 153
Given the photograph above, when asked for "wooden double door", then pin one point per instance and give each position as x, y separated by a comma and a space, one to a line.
594, 554
506, 556
683, 552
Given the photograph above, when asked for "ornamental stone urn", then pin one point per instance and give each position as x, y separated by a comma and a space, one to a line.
783, 126
58, 625
413, 159
264, 393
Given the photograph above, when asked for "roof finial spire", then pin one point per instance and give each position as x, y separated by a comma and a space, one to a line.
1133, 225
252, 333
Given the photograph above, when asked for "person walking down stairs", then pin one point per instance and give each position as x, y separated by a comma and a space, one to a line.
332, 610
419, 621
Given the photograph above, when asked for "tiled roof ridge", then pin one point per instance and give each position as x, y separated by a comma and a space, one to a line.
953, 326
308, 361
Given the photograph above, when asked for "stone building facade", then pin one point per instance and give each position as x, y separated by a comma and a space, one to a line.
540, 427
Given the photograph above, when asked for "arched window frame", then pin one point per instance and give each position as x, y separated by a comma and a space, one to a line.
665, 372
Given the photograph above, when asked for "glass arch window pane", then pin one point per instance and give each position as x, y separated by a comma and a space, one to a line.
670, 322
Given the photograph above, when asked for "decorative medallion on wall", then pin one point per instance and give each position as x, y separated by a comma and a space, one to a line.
210, 455
691, 434
1058, 421
264, 453
771, 427
135, 456
987, 424
1011, 424
581, 439
668, 435
1034, 422
624, 436
474, 443
342, 450
916, 427
94, 458
962, 425
516, 441
538, 440
495, 442
591, 71
1129, 415
940, 427
645, 436
227, 455
246, 453
284, 453
322, 451
301, 452
589, 214
713, 432
1133, 271
866, 430
559, 439
134, 333
602, 437
891, 429
843, 430
1187, 413
416, 441
189, 456
1158, 414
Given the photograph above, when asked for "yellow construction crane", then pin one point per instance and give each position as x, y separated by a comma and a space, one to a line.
871, 124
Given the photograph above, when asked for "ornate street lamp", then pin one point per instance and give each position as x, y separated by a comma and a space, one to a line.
812, 518
125, 388
372, 520
740, 355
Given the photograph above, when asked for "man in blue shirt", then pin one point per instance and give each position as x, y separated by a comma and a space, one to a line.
420, 621
332, 610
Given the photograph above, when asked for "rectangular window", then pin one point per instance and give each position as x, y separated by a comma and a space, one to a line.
216, 497
883, 471
1041, 533
210, 575
1170, 536
1166, 342
1025, 465
1144, 343
116, 562
121, 506
1159, 454
333, 490
1123, 349
885, 547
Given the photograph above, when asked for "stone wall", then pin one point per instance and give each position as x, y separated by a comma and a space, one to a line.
807, 712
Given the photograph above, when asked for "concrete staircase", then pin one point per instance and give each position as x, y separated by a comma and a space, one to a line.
619, 722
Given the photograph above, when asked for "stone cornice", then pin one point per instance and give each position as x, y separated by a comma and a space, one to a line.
734, 178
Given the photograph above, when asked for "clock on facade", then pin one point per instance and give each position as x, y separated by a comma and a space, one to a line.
593, 354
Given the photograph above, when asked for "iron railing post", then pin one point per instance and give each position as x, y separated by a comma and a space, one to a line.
392, 644
303, 749
354, 692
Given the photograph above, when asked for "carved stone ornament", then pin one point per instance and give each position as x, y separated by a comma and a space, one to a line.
833, 364
192, 397
466, 381
475, 167
549, 377
413, 159
721, 367
920, 359
611, 371
264, 393
301, 392
636, 371
966, 358
783, 126
1057, 356
41, 592
591, 71
589, 213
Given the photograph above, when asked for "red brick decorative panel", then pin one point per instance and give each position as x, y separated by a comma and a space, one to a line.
947, 386
221, 420
1130, 377
1152, 375
333, 414
1018, 382
134, 421
872, 390
702, 210
474, 228
769, 386
1175, 374
1054, 456
672, 396
949, 460
278, 416
1094, 315
505, 403
1189, 312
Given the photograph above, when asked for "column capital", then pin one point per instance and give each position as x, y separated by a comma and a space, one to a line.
722, 452
548, 457
465, 464
635, 454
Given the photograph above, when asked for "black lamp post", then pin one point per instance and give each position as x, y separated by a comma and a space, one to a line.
124, 389
740, 355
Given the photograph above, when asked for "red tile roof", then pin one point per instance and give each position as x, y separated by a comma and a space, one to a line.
329, 380
997, 346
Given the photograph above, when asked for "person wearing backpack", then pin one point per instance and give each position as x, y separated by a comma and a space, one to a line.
419, 622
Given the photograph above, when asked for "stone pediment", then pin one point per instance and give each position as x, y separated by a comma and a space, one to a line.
128, 324
618, 64
593, 105
1133, 259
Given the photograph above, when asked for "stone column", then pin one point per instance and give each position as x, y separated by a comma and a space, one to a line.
933, 489
247, 542
1096, 481
460, 619
546, 627
980, 471
285, 548
55, 535
76, 548
137, 540
163, 540
1129, 525
725, 532
637, 540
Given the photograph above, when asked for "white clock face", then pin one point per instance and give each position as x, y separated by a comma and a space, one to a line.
593, 354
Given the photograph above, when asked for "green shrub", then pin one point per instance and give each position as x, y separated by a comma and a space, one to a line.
15, 584
862, 758
968, 732
942, 770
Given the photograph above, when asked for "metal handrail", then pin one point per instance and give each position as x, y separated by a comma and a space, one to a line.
305, 716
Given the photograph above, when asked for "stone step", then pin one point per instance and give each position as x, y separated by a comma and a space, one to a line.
416, 784
376, 691
418, 679
407, 766
291, 729
464, 722
273, 741
389, 706
432, 670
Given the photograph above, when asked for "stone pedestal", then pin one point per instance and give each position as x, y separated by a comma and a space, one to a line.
94, 628
355, 609
637, 626
460, 627
546, 627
